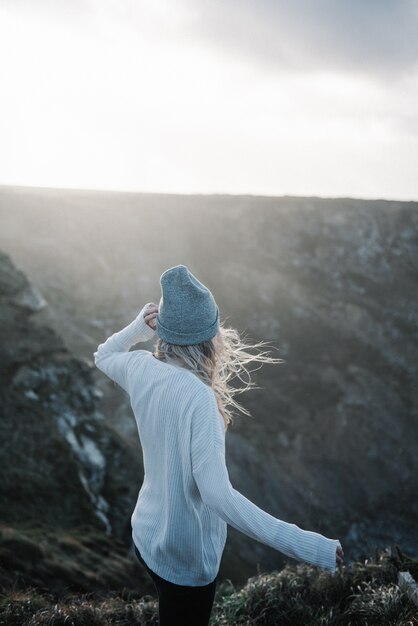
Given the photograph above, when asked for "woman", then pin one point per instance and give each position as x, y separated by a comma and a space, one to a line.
179, 396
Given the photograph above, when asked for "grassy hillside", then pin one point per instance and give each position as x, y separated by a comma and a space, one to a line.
362, 594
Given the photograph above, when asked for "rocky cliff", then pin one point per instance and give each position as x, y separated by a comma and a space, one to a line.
67, 479
332, 445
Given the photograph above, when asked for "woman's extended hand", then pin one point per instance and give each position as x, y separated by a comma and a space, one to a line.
150, 314
339, 556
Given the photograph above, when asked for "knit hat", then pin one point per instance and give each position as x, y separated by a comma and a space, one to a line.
187, 312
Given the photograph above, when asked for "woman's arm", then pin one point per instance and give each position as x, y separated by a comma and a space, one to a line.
211, 476
113, 357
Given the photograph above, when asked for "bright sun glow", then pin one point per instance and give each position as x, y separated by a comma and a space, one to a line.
120, 98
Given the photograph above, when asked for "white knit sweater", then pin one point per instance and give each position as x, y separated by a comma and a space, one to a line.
186, 500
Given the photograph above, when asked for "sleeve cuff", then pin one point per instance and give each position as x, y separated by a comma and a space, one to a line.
327, 553
144, 330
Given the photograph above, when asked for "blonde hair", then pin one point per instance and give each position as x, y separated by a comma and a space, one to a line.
217, 361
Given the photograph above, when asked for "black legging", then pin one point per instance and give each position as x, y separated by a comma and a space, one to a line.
181, 604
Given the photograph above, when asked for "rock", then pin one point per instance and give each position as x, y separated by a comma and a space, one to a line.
57, 454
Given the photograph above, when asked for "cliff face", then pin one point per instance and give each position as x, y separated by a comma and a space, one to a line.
330, 282
335, 282
67, 480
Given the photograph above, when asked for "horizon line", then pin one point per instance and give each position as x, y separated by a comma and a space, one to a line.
206, 194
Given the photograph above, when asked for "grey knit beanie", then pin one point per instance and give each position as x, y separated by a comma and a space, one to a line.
187, 312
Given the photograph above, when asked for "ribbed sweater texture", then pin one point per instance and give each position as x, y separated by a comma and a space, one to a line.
186, 500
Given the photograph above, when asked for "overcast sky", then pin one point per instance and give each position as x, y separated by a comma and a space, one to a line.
270, 97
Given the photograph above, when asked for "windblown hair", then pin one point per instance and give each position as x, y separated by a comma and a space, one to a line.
217, 361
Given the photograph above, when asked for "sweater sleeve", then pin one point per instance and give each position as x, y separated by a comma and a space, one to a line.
113, 357
211, 476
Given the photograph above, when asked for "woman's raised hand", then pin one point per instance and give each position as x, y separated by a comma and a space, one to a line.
150, 314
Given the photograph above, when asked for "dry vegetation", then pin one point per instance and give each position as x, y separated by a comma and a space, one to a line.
363, 594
